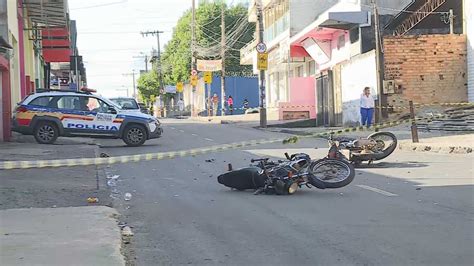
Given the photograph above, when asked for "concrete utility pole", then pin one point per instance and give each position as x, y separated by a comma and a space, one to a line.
193, 59
378, 59
263, 110
145, 56
158, 57
134, 85
223, 59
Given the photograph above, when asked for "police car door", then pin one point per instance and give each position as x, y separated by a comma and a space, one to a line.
102, 119
71, 113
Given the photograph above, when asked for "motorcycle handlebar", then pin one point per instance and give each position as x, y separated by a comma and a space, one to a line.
259, 160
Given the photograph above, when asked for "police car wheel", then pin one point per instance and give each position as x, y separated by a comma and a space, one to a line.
134, 135
46, 132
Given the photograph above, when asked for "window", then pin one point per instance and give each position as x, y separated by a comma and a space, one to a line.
43, 101
312, 67
341, 41
299, 71
71, 103
96, 105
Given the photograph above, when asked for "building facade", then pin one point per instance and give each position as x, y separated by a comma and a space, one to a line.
321, 53
29, 50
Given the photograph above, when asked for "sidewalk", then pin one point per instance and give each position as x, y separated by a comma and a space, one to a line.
432, 141
60, 236
446, 144
45, 218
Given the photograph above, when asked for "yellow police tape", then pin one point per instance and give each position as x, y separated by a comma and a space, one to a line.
8, 165
174, 108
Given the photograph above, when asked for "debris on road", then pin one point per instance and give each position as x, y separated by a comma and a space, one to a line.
127, 231
111, 183
104, 155
113, 177
210, 160
92, 200
127, 196
418, 188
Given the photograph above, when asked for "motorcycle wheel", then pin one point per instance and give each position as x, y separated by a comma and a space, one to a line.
333, 173
386, 143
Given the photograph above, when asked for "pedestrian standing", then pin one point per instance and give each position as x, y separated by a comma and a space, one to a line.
180, 104
230, 103
245, 105
367, 105
215, 104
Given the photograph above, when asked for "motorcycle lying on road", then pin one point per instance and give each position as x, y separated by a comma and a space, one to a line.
284, 177
376, 146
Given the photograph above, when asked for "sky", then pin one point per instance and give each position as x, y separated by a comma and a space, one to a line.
109, 37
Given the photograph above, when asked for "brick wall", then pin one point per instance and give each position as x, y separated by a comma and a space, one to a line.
427, 68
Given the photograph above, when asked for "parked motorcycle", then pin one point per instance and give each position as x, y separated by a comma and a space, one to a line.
286, 176
376, 146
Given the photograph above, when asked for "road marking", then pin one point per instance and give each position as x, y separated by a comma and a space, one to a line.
182, 131
383, 192
208, 139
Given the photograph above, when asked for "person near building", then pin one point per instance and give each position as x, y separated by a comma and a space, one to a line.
180, 104
215, 103
367, 105
245, 104
230, 103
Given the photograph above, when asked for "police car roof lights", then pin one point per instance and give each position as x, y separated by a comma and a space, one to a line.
85, 89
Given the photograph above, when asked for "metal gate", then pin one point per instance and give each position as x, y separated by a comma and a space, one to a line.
325, 100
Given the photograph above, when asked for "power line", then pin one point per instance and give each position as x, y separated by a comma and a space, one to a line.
100, 5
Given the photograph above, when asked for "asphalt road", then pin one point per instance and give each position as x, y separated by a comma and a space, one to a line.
411, 209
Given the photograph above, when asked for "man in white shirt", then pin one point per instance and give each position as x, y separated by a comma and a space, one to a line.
180, 104
367, 105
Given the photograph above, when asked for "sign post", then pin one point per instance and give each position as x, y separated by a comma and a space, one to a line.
208, 81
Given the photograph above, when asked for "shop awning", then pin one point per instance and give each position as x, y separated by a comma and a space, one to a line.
345, 20
49, 13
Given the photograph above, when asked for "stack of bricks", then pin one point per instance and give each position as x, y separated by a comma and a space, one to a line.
426, 68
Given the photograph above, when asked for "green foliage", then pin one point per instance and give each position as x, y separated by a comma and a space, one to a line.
176, 58
148, 86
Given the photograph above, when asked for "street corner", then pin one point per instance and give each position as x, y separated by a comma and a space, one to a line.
61, 236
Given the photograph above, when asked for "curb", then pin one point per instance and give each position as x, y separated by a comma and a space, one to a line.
419, 147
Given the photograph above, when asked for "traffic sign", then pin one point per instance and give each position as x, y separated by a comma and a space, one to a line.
194, 72
208, 77
179, 87
194, 80
261, 48
262, 61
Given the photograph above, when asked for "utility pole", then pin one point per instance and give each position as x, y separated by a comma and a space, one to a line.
158, 57
144, 56
378, 60
263, 110
158, 66
193, 59
223, 59
134, 86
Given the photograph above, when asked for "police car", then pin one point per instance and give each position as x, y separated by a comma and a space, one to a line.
48, 114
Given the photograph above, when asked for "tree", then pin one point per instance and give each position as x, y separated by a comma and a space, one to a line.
148, 86
176, 59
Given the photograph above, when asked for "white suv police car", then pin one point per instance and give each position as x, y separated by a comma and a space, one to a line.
48, 114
